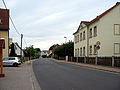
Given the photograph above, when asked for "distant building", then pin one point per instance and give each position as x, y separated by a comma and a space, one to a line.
4, 29
10, 41
18, 50
43, 52
49, 52
105, 28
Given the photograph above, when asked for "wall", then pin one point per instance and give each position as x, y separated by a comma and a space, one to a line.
107, 36
4, 34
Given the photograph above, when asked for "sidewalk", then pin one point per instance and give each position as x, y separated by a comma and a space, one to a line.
100, 67
19, 78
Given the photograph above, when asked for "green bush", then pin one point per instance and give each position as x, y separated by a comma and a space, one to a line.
56, 56
22, 60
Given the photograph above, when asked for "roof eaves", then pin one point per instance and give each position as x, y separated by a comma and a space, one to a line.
104, 13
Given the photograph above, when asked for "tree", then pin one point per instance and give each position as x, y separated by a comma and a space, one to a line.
66, 49
12, 53
53, 46
32, 52
37, 52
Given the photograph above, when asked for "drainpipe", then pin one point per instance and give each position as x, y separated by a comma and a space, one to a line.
87, 40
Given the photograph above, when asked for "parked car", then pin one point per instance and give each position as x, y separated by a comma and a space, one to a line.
14, 61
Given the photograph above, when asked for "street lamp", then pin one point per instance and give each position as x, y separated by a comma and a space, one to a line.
66, 57
65, 39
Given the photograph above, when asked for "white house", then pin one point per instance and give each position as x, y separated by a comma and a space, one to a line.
105, 28
18, 49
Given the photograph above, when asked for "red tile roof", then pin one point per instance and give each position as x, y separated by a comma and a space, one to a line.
85, 22
98, 17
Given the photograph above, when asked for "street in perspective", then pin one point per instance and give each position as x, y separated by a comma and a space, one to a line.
53, 75
59, 45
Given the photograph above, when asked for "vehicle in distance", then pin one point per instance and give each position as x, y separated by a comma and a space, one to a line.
14, 61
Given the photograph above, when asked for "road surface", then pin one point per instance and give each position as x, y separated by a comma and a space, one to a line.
53, 75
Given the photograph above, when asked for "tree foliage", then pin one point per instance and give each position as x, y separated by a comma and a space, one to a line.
12, 53
53, 46
32, 52
66, 49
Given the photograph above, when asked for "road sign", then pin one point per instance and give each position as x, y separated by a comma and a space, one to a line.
98, 47
98, 43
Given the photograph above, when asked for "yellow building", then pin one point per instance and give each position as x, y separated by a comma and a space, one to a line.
105, 28
4, 29
10, 41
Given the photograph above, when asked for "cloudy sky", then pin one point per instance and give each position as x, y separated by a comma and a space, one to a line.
46, 22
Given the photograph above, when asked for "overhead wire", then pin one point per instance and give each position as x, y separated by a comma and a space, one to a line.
13, 23
11, 19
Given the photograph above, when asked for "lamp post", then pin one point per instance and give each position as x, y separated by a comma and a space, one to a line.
66, 57
65, 39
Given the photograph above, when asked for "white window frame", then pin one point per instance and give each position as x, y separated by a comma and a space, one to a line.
115, 48
91, 50
83, 35
95, 31
83, 51
115, 30
90, 33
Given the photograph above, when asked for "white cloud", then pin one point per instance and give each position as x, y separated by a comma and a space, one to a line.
11, 3
46, 22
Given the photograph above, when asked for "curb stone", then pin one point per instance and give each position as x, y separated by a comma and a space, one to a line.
92, 66
33, 79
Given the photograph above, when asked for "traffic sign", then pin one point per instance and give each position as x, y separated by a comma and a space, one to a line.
98, 47
98, 43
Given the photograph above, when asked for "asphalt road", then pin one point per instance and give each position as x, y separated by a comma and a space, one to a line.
53, 75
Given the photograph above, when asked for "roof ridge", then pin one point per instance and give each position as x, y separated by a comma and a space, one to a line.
104, 13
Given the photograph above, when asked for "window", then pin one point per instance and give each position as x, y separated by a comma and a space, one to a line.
11, 58
75, 52
95, 31
117, 29
84, 35
77, 38
83, 51
90, 50
116, 48
80, 51
80, 36
95, 50
91, 33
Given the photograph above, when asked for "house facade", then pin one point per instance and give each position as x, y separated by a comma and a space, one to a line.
4, 29
103, 30
49, 52
18, 50
43, 52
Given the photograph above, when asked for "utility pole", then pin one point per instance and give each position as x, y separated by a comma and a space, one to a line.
21, 43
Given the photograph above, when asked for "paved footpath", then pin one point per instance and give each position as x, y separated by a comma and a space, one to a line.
100, 67
19, 78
